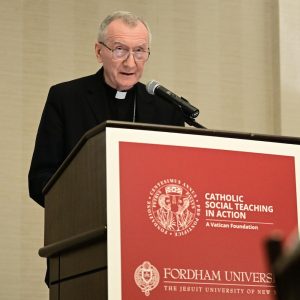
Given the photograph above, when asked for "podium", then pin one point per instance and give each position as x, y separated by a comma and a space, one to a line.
141, 211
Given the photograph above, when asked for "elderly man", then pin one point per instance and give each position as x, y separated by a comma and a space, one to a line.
113, 93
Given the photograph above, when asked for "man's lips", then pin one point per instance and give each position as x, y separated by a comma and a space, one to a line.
127, 73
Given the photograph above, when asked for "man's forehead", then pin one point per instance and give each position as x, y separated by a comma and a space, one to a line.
119, 28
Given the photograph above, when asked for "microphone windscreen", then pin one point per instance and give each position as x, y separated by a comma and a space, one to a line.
151, 86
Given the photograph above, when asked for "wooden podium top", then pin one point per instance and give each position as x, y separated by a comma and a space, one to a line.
163, 128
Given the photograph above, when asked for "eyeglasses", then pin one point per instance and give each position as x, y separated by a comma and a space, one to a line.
120, 52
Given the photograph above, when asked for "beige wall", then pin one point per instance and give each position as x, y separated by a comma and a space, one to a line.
290, 66
237, 60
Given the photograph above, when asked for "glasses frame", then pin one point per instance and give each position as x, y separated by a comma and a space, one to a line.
129, 52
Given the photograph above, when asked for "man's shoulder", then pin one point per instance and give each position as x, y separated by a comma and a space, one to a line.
73, 91
76, 83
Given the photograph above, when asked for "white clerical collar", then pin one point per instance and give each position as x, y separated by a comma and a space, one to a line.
120, 95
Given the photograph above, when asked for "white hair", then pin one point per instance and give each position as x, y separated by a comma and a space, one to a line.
127, 17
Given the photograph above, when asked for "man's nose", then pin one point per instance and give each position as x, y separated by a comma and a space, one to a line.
130, 60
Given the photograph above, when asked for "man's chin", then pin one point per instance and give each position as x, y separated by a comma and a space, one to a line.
124, 86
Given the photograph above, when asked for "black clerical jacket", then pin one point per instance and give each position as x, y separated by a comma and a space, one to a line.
74, 107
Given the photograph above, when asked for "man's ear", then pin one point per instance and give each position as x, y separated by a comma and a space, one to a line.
98, 48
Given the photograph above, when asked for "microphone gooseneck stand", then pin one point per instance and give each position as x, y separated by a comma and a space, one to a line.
192, 122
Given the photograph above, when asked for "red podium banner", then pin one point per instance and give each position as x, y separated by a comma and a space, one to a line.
194, 216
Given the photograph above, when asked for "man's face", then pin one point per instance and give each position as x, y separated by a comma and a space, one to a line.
124, 73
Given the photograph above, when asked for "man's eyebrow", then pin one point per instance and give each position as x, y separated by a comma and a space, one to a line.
144, 45
119, 43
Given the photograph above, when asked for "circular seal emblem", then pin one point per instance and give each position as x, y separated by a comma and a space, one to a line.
173, 207
146, 277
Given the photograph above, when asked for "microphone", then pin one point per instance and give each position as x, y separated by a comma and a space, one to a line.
154, 88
